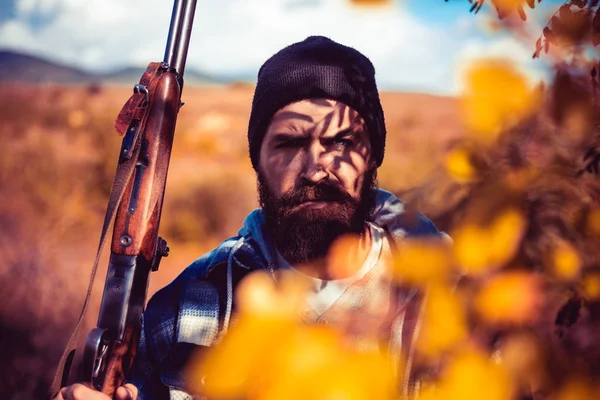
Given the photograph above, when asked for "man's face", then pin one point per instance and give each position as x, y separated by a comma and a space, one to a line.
315, 177
312, 141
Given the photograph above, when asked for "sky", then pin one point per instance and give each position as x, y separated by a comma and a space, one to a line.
415, 45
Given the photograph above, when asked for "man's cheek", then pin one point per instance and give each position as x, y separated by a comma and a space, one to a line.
276, 183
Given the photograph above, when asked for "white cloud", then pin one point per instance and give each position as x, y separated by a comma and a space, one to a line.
508, 48
399, 46
237, 36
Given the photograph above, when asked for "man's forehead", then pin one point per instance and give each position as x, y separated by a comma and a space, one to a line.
315, 111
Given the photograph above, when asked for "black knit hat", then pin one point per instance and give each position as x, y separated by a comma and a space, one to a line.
317, 67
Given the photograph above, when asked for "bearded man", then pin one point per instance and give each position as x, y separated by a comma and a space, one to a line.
316, 138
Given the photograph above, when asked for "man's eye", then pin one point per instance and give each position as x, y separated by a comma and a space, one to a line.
343, 143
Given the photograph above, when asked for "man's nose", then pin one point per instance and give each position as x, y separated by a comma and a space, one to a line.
315, 164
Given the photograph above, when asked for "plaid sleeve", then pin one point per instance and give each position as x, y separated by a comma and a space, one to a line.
184, 312
158, 329
144, 372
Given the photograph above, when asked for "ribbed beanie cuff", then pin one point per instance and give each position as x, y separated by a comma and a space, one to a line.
316, 68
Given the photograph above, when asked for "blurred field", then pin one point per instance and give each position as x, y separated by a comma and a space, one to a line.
57, 159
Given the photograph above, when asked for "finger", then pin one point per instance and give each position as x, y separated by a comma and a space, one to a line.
123, 394
126, 392
133, 390
67, 393
81, 392
59, 395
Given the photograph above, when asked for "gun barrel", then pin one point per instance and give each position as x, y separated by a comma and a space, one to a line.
179, 34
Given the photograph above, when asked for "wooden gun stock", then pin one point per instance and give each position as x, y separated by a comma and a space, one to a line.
136, 248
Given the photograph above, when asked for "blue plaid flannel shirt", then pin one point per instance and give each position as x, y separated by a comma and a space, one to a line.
197, 306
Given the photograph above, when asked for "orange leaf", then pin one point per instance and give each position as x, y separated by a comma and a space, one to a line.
550, 36
567, 263
497, 95
370, 3
565, 14
514, 297
419, 261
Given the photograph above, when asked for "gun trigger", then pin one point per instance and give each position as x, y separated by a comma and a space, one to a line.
127, 144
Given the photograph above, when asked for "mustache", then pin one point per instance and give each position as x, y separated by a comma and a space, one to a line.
324, 191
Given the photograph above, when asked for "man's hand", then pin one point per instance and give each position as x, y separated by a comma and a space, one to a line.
82, 392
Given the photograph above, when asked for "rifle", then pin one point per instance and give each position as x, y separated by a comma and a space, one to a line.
147, 122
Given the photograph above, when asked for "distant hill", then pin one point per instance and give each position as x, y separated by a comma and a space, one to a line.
17, 67
24, 68
132, 74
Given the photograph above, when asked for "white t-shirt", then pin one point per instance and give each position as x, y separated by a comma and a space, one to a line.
324, 293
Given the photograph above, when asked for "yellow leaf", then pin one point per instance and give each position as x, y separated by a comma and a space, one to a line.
522, 355
443, 322
591, 286
312, 364
506, 233
370, 3
508, 4
259, 296
472, 376
513, 297
566, 261
478, 250
459, 166
471, 249
228, 369
420, 261
496, 96
593, 221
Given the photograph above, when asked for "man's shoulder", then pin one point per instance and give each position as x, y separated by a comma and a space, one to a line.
401, 221
199, 285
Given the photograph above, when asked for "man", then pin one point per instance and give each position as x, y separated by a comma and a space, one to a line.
316, 137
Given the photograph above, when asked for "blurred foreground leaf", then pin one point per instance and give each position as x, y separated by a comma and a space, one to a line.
566, 261
471, 376
478, 250
511, 298
496, 96
443, 312
371, 3
420, 261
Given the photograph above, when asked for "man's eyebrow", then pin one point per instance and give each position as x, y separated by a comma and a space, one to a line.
345, 132
282, 137
283, 115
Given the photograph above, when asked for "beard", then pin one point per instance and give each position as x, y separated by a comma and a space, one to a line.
304, 234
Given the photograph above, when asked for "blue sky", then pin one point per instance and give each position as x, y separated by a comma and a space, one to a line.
415, 45
454, 9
